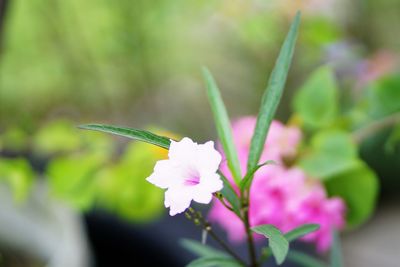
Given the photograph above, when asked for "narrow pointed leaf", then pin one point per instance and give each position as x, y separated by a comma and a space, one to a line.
301, 231
336, 251
272, 95
140, 135
246, 182
276, 241
230, 195
201, 250
223, 125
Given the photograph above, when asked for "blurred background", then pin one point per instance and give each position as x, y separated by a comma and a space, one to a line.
74, 198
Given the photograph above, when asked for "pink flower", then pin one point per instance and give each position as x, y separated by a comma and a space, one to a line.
280, 195
189, 174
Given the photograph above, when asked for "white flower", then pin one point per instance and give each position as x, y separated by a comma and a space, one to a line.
189, 174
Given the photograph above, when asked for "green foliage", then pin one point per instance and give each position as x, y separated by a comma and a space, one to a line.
384, 97
141, 135
316, 102
272, 94
56, 136
214, 262
123, 189
301, 231
201, 250
208, 256
14, 139
71, 178
336, 258
230, 195
358, 187
19, 175
330, 152
223, 125
277, 242
246, 182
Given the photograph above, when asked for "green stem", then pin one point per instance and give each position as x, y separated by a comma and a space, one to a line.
250, 239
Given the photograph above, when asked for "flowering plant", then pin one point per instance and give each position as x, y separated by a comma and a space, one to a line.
257, 189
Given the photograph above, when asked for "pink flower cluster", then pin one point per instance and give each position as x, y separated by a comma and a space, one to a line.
280, 195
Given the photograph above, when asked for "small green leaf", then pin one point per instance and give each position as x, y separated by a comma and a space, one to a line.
230, 195
223, 125
317, 100
214, 262
201, 250
277, 241
331, 152
272, 94
336, 258
246, 182
304, 260
359, 189
301, 231
140, 135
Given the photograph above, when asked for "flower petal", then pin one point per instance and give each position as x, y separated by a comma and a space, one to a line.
164, 174
208, 158
177, 199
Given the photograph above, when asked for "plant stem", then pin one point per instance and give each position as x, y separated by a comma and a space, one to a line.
207, 227
250, 240
361, 134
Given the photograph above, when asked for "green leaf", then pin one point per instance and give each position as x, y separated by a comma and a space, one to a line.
316, 102
331, 152
201, 250
277, 241
272, 94
246, 182
19, 174
214, 262
336, 257
71, 178
359, 189
384, 97
301, 231
304, 260
140, 135
230, 195
223, 125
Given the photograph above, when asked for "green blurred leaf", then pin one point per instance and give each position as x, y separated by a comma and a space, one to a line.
359, 189
71, 178
384, 97
140, 135
304, 260
19, 175
393, 140
223, 125
201, 250
301, 231
214, 262
272, 94
276, 241
56, 136
14, 139
336, 257
316, 102
331, 152
123, 189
